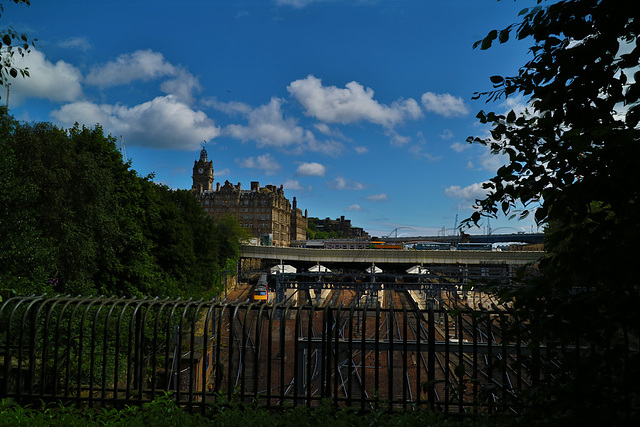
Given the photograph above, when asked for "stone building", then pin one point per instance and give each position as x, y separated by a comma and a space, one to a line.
342, 226
298, 222
264, 211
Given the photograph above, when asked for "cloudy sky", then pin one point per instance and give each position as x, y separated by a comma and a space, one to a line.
359, 108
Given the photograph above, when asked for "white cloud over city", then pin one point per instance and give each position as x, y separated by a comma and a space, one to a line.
353, 208
268, 127
266, 163
342, 183
295, 185
352, 104
311, 169
128, 67
57, 82
163, 122
444, 104
466, 195
378, 197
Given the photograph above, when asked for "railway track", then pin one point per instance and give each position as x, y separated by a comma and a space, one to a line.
445, 357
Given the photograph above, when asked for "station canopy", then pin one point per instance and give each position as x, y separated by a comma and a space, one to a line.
418, 269
374, 269
319, 269
283, 268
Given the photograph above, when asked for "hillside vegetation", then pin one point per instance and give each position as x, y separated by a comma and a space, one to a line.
76, 219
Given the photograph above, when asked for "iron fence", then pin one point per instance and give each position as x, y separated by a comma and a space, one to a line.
114, 351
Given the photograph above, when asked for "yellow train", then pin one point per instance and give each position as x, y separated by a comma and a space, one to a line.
261, 290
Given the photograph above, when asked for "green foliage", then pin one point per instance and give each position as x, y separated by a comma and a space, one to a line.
74, 218
314, 233
164, 412
13, 43
569, 154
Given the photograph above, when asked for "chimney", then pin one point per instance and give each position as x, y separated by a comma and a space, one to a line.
255, 186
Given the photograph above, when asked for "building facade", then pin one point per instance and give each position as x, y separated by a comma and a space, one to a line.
264, 211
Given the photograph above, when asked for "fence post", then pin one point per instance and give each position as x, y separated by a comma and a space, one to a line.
431, 360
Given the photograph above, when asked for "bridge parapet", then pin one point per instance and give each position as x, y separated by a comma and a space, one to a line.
390, 256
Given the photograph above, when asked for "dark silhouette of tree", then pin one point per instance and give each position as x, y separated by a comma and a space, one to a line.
571, 161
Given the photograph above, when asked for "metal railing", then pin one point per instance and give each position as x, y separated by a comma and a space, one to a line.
111, 351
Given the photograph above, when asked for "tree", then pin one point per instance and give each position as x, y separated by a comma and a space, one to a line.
74, 218
12, 43
25, 254
570, 154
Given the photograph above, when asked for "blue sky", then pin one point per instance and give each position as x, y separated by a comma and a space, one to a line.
359, 108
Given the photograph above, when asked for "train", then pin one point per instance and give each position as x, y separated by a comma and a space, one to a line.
433, 246
475, 247
385, 245
261, 290
381, 244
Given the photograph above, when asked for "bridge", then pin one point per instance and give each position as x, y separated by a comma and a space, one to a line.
358, 269
379, 256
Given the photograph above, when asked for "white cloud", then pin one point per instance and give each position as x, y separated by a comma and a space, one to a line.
444, 104
311, 169
492, 162
467, 194
145, 65
361, 150
350, 105
418, 151
353, 208
325, 129
268, 127
446, 134
298, 4
223, 172
231, 108
328, 147
139, 65
79, 43
341, 183
59, 82
182, 86
378, 197
459, 147
397, 139
294, 184
265, 162
163, 122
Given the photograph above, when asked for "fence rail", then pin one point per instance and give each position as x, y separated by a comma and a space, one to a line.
111, 352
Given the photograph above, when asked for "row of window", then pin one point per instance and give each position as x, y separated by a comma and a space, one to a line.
251, 225
227, 200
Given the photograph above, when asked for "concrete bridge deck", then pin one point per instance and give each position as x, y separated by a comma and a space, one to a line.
381, 256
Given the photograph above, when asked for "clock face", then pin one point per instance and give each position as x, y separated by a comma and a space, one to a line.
200, 170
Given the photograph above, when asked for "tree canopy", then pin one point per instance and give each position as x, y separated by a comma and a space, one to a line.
75, 218
570, 163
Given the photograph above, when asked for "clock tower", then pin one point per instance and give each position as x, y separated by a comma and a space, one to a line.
202, 174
